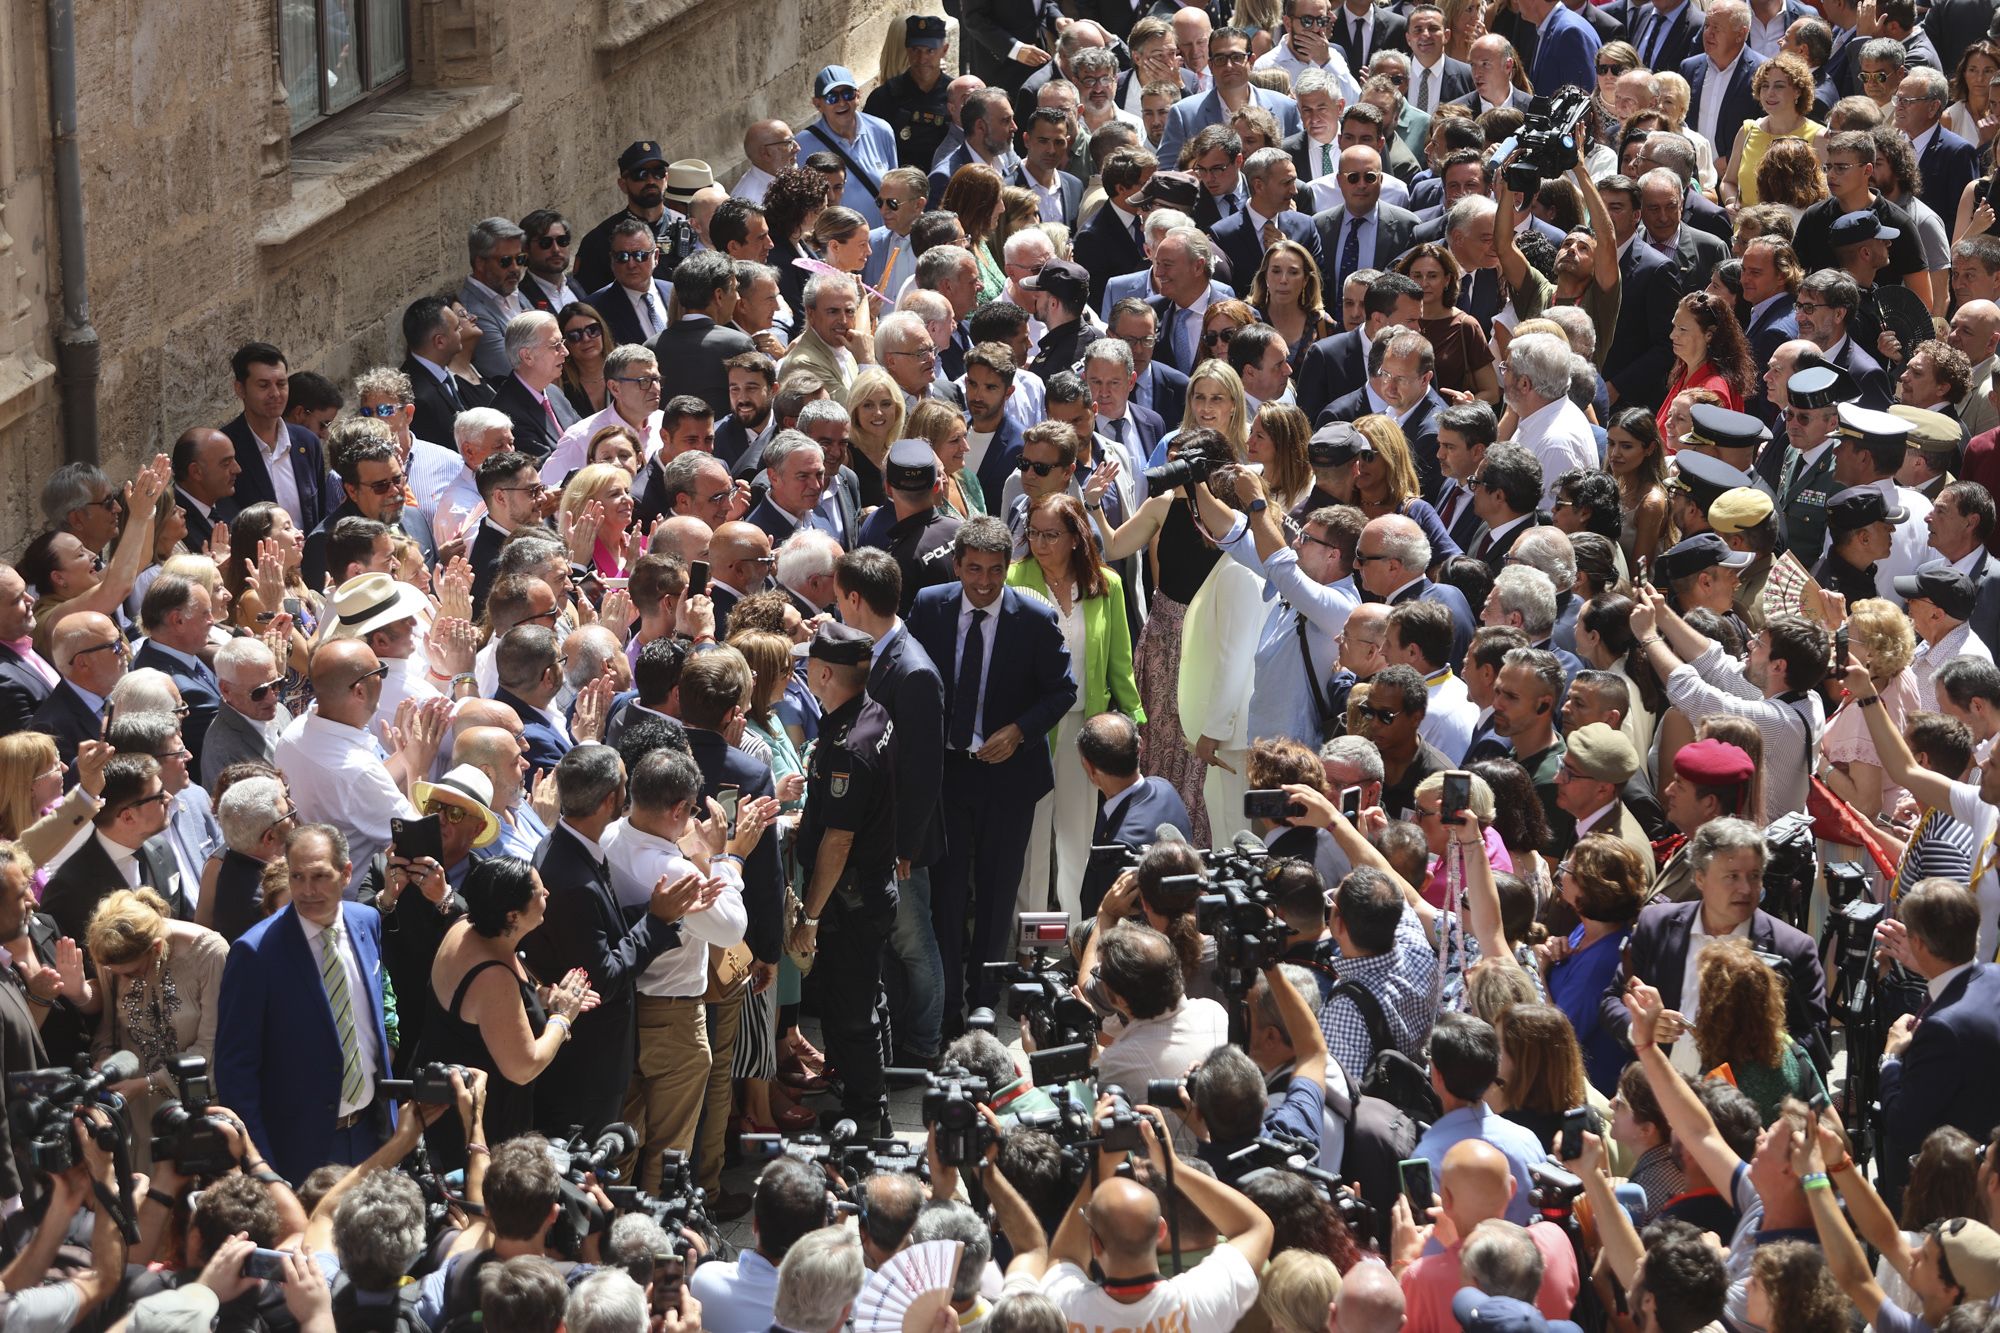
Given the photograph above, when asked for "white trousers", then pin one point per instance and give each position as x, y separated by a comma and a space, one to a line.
1059, 842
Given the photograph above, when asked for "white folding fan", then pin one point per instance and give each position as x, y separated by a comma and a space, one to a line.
906, 1294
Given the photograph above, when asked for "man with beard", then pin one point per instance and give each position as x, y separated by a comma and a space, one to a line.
642, 174
372, 474
752, 377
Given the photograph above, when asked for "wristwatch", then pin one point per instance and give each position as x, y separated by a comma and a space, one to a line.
1259, 505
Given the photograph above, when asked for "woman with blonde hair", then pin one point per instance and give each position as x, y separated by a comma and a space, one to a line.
601, 493
1494, 985
974, 193
1740, 1022
1464, 24
1278, 443
158, 987
943, 427
1385, 482
1783, 86
1288, 295
875, 416
35, 811
1880, 638
1215, 402
1674, 98
1299, 1287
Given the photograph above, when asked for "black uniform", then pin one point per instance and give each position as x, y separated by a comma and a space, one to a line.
1836, 575
920, 545
918, 118
673, 233
850, 787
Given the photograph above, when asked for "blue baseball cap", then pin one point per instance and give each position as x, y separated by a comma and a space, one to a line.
834, 76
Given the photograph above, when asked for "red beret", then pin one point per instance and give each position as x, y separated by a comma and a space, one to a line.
1713, 763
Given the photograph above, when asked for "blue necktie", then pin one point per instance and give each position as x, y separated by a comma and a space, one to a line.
1186, 340
1350, 253
965, 699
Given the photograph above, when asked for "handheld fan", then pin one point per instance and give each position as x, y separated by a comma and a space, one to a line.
906, 1294
821, 266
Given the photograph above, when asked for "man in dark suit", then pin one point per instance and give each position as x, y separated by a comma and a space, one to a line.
693, 349
987, 121
795, 471
634, 302
1007, 680
1229, 64
1135, 807
1640, 359
1506, 495
299, 1034
263, 439
1943, 1067
1725, 54
528, 397
1112, 243
1364, 232
1046, 133
1824, 307
1666, 32
205, 472
25, 679
1769, 272
1435, 78
91, 657
530, 669
1727, 858
1493, 61
1388, 570
1244, 235
549, 244
431, 333
509, 487
1693, 253
1361, 28
1338, 365
1112, 380
993, 29
177, 616
128, 848
584, 927
1948, 163
908, 686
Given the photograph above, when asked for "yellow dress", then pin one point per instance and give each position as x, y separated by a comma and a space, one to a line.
1757, 141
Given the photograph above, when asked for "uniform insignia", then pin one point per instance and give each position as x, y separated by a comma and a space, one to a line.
838, 786
905, 132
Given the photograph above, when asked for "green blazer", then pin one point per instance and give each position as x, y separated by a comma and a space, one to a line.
1105, 677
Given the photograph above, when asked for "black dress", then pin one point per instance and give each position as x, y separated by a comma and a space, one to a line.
510, 1107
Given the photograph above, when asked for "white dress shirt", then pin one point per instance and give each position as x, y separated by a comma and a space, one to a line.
1559, 437
337, 777
1451, 716
638, 860
987, 633
123, 859
1686, 1057
1283, 57
277, 458
1714, 88
646, 305
559, 297
568, 455
358, 990
1426, 104
752, 185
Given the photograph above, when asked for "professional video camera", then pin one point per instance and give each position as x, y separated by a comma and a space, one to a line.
1189, 470
428, 1084
952, 1097
1791, 868
680, 1201
184, 1132
1555, 1191
1549, 142
44, 1105
1295, 1156
1041, 993
578, 1214
849, 1157
1239, 915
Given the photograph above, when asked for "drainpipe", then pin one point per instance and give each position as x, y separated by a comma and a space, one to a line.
76, 340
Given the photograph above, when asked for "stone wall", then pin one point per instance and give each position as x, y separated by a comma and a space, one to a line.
208, 226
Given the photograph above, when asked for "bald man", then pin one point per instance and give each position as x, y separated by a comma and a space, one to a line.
682, 535
739, 563
205, 472
497, 752
770, 148
1370, 1301
1975, 331
1476, 1185
90, 656
1118, 1224
335, 769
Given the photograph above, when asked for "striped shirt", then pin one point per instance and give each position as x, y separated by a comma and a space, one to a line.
1941, 847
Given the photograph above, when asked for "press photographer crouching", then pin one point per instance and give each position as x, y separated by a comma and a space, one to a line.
1132, 974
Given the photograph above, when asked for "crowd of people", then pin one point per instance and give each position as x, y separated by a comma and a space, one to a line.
1487, 650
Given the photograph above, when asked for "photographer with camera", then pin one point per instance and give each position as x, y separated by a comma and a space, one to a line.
33, 1302
1673, 1278
790, 1203
1163, 891
232, 1206
1117, 1224
1133, 977
524, 1201
1225, 1096
1008, 1090
413, 1118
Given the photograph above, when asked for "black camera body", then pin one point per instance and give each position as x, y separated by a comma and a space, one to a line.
43, 1107
184, 1132
1791, 868
1555, 1191
680, 1202
1549, 142
952, 1098
1041, 996
1178, 472
1118, 1129
578, 1215
428, 1085
1239, 915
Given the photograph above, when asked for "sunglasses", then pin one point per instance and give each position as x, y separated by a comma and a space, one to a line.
578, 334
1608, 69
367, 676
259, 693
449, 813
1361, 177
118, 646
1384, 716
291, 813
647, 174
159, 796
382, 411
1315, 23
839, 96
1039, 469
890, 205
389, 485
1211, 336
632, 256
552, 242
509, 261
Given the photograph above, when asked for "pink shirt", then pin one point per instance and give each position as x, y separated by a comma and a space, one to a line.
1496, 856
1431, 1282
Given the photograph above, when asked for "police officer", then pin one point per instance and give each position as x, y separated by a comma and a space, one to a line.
913, 527
1728, 437
1863, 527
1813, 396
1699, 481
914, 101
642, 175
847, 842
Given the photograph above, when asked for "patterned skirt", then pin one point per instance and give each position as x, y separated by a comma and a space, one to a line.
757, 1045
1165, 750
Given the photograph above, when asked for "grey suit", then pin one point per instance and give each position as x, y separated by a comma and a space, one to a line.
691, 353
490, 357
233, 736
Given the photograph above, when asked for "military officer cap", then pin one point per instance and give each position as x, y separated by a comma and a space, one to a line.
841, 645
923, 30
1932, 432
1702, 551
1720, 428
1603, 753
1858, 506
1739, 510
913, 466
1872, 427
1706, 477
1819, 386
639, 155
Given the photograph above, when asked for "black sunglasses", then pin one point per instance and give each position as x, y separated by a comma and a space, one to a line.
1039, 469
259, 693
647, 174
1382, 715
551, 241
890, 205
510, 261
370, 675
582, 331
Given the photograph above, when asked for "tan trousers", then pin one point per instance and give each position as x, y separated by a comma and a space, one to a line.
726, 1023
665, 1100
